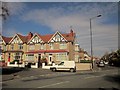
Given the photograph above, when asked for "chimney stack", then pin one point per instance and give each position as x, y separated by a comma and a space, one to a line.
30, 35
71, 32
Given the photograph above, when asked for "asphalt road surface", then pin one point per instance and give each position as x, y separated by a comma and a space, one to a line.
99, 79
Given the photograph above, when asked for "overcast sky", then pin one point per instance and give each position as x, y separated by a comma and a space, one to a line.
49, 17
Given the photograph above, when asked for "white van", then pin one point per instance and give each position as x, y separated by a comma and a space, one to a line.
65, 65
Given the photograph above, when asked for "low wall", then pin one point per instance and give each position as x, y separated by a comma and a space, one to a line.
83, 66
15, 65
34, 66
47, 67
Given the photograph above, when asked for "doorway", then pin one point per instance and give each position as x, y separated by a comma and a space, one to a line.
39, 60
50, 59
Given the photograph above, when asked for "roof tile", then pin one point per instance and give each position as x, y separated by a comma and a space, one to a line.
68, 36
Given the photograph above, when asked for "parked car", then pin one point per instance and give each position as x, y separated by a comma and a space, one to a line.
101, 64
65, 65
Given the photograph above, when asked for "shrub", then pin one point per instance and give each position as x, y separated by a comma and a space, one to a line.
85, 61
13, 62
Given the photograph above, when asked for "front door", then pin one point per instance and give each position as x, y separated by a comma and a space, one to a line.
50, 59
39, 58
9, 57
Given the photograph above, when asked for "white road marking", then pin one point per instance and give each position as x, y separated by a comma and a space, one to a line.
99, 76
94, 76
54, 84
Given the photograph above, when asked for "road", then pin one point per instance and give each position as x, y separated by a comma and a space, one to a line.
108, 78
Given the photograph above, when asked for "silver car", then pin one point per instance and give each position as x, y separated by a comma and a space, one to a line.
101, 64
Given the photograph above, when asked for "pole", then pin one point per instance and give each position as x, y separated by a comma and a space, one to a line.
91, 37
91, 43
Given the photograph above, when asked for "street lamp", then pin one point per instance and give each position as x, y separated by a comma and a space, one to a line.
91, 37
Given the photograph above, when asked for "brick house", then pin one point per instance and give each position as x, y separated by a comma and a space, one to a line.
32, 48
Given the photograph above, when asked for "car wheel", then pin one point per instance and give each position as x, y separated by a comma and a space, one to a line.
54, 69
71, 70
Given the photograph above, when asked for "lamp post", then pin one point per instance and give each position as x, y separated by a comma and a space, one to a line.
91, 37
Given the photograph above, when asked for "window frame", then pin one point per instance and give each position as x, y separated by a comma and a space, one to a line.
63, 45
12, 46
20, 46
32, 47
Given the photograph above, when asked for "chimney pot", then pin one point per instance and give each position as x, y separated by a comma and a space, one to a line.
71, 31
30, 35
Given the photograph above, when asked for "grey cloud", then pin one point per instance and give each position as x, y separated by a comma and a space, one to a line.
61, 20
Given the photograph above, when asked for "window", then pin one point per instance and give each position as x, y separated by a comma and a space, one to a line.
76, 48
36, 39
1, 41
51, 46
20, 46
61, 57
62, 63
30, 57
1, 47
31, 47
17, 56
76, 58
57, 37
12, 47
63, 45
42, 46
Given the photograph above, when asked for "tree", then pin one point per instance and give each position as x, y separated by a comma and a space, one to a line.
113, 58
4, 10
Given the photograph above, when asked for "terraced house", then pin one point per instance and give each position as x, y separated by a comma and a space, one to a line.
33, 48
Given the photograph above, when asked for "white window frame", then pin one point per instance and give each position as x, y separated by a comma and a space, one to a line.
76, 48
63, 45
61, 57
77, 57
20, 46
12, 46
31, 57
31, 47
42, 46
51, 45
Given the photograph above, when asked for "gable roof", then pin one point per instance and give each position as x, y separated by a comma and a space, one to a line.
14, 37
46, 38
56, 34
6, 39
23, 38
34, 36
69, 36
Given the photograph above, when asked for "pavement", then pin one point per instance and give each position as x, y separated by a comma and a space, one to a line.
14, 73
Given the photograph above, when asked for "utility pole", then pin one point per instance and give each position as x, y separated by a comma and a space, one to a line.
91, 37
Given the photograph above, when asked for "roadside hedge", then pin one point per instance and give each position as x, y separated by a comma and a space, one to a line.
85, 61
